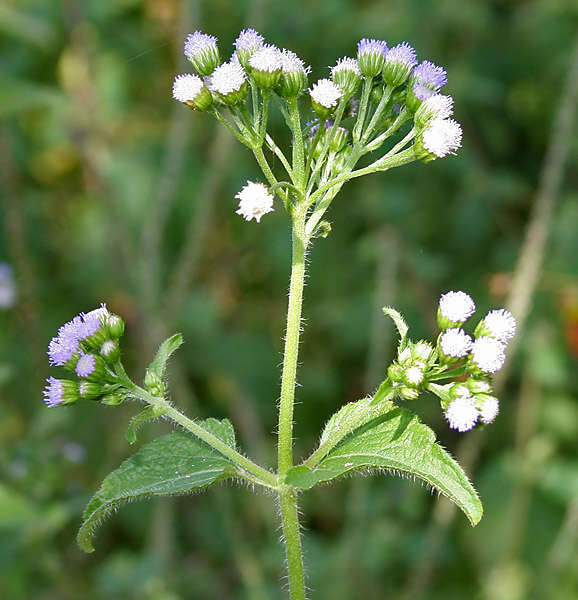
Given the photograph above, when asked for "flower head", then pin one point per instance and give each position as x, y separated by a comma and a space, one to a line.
293, 75
399, 61
201, 49
266, 66
346, 75
439, 138
229, 82
455, 307
455, 343
489, 407
191, 90
462, 414
371, 56
324, 96
247, 42
499, 324
437, 106
60, 391
86, 365
414, 375
255, 200
431, 75
488, 354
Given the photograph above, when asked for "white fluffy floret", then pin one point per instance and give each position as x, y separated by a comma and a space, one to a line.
439, 106
255, 200
462, 413
267, 58
291, 63
501, 324
414, 375
249, 40
457, 306
326, 93
198, 42
346, 64
489, 409
187, 87
227, 78
488, 354
442, 137
455, 342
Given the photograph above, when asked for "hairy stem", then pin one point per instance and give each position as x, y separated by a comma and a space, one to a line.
293, 550
285, 448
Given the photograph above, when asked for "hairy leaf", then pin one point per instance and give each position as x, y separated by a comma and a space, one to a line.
170, 345
176, 463
148, 414
399, 322
400, 443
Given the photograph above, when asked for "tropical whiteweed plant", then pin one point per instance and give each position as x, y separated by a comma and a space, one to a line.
381, 94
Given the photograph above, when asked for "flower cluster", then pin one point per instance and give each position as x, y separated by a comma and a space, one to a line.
472, 358
88, 347
363, 100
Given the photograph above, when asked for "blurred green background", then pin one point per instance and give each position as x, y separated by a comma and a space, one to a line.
111, 191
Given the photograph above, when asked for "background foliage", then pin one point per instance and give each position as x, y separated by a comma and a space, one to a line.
101, 174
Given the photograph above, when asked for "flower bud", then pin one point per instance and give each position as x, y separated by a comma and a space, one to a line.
229, 83
489, 407
409, 393
325, 96
439, 138
191, 90
60, 392
91, 367
201, 49
89, 390
112, 399
265, 66
246, 44
154, 384
346, 75
454, 309
499, 324
293, 78
371, 56
115, 326
399, 62
110, 351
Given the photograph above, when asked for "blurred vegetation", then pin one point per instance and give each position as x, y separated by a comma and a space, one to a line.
111, 191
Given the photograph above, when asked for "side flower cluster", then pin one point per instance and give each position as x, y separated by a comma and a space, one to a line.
473, 358
88, 348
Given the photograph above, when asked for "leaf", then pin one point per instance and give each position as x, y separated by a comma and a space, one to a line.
400, 443
399, 322
148, 414
176, 463
170, 345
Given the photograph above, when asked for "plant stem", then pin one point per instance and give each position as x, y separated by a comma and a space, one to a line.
293, 550
299, 246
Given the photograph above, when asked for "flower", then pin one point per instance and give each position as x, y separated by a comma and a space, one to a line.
431, 75
255, 200
399, 61
191, 90
346, 75
248, 41
371, 56
64, 346
293, 75
437, 106
499, 324
7, 286
60, 391
229, 82
488, 354
414, 375
324, 96
86, 365
462, 414
489, 407
266, 66
455, 342
440, 138
455, 307
201, 49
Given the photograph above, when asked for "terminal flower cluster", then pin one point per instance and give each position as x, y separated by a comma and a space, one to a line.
382, 92
468, 360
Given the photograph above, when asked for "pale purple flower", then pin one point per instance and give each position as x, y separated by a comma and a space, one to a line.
86, 365
369, 46
198, 43
248, 40
422, 92
431, 75
402, 54
53, 393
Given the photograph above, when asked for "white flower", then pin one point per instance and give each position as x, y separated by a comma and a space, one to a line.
414, 375
255, 200
442, 137
198, 43
326, 93
227, 78
457, 307
267, 58
249, 40
488, 354
462, 413
291, 63
422, 350
437, 106
187, 87
489, 408
455, 342
501, 324
346, 64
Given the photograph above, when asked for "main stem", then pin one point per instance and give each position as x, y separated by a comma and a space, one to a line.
288, 496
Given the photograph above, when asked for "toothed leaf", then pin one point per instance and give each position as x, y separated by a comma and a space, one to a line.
176, 463
398, 442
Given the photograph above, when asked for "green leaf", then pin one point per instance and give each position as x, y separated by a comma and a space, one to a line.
173, 464
400, 443
399, 322
148, 414
170, 345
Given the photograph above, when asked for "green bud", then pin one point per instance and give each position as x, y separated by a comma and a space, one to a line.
115, 326
110, 351
154, 384
112, 399
409, 393
90, 390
